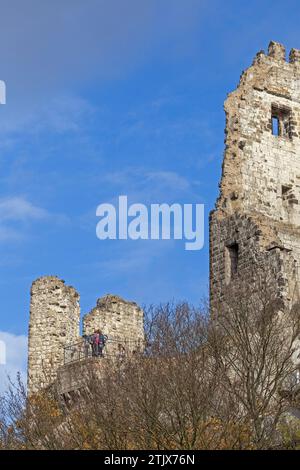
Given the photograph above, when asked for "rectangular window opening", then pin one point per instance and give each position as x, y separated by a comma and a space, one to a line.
275, 125
285, 190
232, 260
281, 121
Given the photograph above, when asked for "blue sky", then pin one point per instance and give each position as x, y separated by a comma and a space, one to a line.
107, 98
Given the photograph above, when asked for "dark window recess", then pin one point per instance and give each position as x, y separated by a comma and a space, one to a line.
281, 121
288, 194
285, 191
233, 257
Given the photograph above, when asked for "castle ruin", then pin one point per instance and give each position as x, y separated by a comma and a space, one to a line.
54, 330
256, 221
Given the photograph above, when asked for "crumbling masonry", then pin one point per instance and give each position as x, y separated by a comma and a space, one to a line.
256, 220
55, 324
257, 216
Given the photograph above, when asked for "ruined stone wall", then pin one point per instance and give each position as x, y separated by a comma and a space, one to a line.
256, 163
123, 323
54, 323
258, 212
255, 252
75, 378
121, 320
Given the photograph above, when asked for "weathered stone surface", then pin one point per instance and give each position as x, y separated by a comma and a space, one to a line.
54, 323
257, 214
121, 320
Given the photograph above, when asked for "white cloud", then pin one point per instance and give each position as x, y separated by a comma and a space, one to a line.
169, 179
16, 358
18, 213
20, 209
65, 114
143, 179
9, 234
61, 114
15, 211
147, 186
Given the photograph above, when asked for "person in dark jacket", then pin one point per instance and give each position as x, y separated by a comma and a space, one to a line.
101, 342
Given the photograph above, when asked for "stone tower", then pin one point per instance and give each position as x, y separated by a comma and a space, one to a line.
54, 323
257, 215
120, 319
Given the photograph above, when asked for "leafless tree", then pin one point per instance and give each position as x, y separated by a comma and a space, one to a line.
254, 343
220, 381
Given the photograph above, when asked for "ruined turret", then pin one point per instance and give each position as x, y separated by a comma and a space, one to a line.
54, 323
120, 319
257, 216
57, 353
